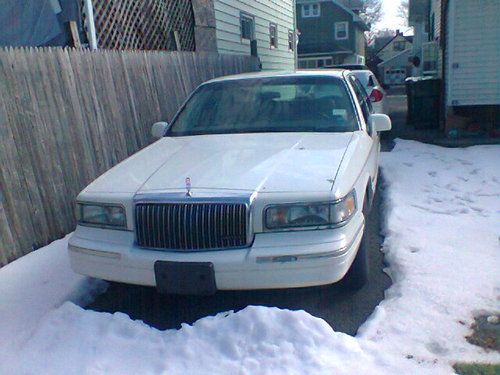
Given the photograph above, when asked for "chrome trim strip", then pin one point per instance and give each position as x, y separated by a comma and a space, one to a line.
99, 253
299, 257
185, 208
158, 219
180, 197
210, 226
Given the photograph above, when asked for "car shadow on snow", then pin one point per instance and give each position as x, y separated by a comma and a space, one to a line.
343, 309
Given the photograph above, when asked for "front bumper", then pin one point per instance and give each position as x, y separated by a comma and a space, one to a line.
275, 260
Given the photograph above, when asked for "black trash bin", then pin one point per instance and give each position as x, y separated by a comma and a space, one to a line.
410, 101
424, 102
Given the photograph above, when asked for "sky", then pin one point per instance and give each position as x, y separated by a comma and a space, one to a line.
390, 19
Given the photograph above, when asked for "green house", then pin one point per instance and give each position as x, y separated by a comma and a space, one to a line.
330, 33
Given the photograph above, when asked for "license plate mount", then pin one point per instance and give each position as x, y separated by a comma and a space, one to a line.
185, 277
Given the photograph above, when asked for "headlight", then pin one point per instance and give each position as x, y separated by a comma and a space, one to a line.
310, 214
103, 215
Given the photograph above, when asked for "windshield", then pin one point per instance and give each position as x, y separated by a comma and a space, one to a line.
280, 104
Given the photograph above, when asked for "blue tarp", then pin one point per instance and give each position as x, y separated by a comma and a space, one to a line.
35, 22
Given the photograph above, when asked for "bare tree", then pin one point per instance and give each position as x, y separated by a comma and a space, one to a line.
403, 10
385, 32
379, 33
371, 11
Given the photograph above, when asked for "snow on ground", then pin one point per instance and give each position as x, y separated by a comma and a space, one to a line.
33, 286
442, 244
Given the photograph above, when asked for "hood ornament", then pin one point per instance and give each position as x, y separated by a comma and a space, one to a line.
188, 187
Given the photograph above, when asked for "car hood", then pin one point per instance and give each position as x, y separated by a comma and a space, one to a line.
258, 162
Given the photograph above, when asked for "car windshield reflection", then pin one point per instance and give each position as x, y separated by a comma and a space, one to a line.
282, 104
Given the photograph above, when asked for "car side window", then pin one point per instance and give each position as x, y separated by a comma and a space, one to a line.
368, 100
362, 98
370, 82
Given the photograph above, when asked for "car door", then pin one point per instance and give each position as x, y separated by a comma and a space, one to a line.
366, 110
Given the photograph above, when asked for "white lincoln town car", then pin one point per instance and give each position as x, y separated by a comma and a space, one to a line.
261, 180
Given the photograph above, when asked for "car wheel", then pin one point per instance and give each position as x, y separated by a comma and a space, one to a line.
357, 276
368, 203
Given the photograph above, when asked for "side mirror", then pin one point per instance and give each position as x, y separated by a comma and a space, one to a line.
379, 122
158, 129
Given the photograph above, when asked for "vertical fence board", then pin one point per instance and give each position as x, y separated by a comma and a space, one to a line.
10, 184
56, 174
68, 115
76, 122
27, 213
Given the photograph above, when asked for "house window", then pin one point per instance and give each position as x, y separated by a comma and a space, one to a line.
430, 58
360, 59
273, 35
431, 31
291, 40
247, 25
399, 45
341, 30
311, 10
311, 64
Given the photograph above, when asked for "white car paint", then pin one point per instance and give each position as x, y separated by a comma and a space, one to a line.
370, 82
233, 159
269, 168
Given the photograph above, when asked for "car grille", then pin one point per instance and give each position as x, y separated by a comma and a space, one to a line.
191, 226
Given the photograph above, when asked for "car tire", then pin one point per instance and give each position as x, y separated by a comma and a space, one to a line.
357, 276
368, 203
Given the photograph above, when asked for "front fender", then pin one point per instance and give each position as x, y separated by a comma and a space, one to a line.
355, 169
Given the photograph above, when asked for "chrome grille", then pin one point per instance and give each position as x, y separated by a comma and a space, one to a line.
191, 226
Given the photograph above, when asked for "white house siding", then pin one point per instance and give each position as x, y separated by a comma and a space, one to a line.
473, 52
360, 42
435, 9
419, 37
280, 12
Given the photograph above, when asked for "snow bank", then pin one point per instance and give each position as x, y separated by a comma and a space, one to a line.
33, 286
442, 242
256, 340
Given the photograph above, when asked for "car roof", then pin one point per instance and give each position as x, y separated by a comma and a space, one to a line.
351, 66
362, 72
338, 73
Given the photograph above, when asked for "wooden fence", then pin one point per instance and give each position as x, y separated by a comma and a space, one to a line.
66, 116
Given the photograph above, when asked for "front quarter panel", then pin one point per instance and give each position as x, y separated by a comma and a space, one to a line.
355, 169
